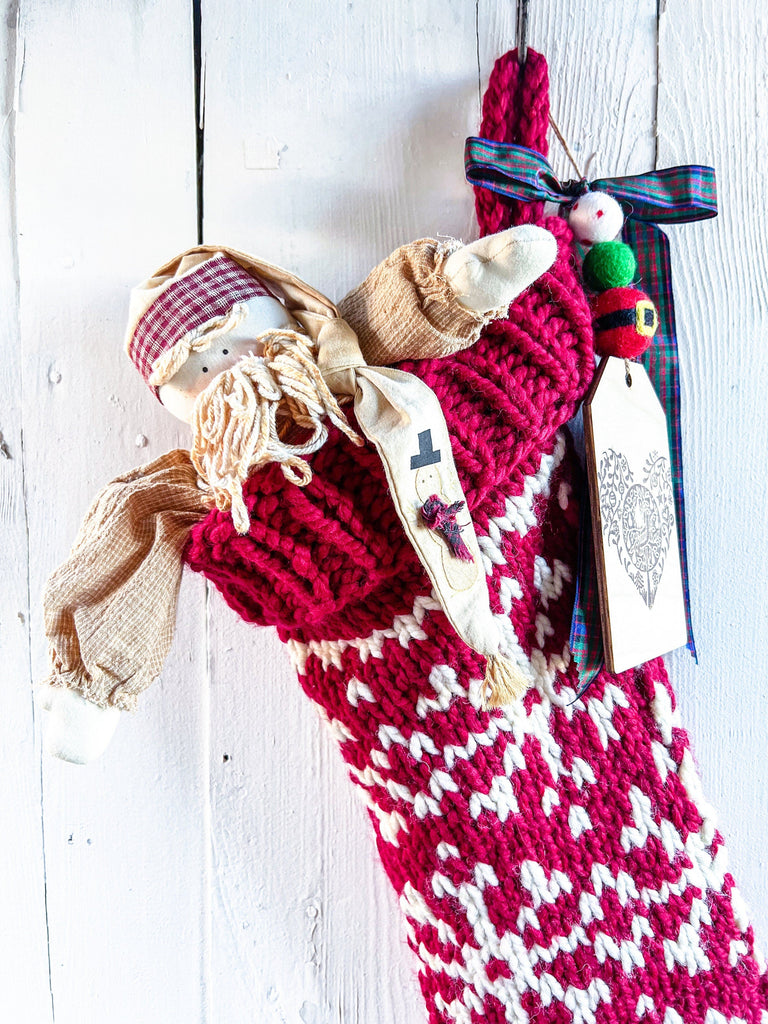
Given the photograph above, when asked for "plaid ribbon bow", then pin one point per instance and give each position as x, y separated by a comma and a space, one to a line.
675, 195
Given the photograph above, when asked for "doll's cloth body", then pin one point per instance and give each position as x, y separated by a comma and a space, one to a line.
110, 607
554, 860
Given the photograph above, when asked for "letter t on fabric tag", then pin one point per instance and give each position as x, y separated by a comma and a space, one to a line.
637, 552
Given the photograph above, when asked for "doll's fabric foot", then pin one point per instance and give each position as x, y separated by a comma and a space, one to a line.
490, 273
74, 729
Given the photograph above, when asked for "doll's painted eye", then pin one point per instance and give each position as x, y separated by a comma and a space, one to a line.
205, 369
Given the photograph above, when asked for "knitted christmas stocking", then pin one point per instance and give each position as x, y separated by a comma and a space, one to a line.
555, 859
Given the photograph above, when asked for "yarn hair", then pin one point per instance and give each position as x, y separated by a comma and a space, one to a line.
250, 415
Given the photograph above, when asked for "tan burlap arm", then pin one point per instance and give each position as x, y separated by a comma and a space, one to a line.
110, 608
408, 289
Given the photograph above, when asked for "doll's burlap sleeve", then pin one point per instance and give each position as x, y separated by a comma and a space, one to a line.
110, 608
409, 290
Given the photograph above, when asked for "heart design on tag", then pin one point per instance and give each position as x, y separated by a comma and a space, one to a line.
638, 518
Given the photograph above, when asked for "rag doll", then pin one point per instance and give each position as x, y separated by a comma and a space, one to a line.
254, 375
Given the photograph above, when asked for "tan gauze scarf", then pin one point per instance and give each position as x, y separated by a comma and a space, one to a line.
243, 424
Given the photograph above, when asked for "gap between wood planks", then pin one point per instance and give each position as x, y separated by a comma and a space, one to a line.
206, 953
199, 65
13, 92
477, 53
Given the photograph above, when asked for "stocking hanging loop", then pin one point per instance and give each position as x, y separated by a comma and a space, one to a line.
515, 111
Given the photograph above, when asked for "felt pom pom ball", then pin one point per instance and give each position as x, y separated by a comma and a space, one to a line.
595, 217
624, 321
609, 265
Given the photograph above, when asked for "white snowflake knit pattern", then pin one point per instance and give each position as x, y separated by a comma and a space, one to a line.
556, 860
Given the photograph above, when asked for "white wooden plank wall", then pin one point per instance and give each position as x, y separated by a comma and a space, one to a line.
215, 866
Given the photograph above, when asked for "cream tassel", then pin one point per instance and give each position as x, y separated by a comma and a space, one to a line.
243, 419
504, 682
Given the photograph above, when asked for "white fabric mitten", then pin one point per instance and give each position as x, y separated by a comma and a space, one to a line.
490, 273
74, 729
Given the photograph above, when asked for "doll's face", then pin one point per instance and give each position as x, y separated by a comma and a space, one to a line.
264, 313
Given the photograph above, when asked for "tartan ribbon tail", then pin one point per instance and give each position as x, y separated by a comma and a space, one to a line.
651, 248
586, 639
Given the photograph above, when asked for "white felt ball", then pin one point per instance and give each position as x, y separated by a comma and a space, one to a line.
595, 217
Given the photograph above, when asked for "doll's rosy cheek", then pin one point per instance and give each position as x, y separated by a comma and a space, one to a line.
178, 401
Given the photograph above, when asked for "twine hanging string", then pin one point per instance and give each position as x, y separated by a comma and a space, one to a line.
564, 144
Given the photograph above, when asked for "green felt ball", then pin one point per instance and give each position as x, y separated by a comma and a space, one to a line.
609, 265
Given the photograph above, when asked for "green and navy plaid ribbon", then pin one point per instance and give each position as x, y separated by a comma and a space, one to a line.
675, 195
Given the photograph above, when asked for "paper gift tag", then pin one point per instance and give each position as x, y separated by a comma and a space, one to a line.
634, 529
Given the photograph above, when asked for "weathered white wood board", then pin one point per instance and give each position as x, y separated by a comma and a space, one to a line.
23, 943
169, 883
713, 108
104, 186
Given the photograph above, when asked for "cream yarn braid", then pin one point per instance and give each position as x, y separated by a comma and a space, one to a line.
243, 418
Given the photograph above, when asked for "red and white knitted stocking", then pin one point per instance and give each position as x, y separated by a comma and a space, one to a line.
555, 860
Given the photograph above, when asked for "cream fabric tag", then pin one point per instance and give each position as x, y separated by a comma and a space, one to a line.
637, 556
402, 417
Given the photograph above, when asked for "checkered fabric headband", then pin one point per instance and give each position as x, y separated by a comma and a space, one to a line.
179, 304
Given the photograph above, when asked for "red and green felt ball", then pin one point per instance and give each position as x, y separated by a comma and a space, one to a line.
624, 321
